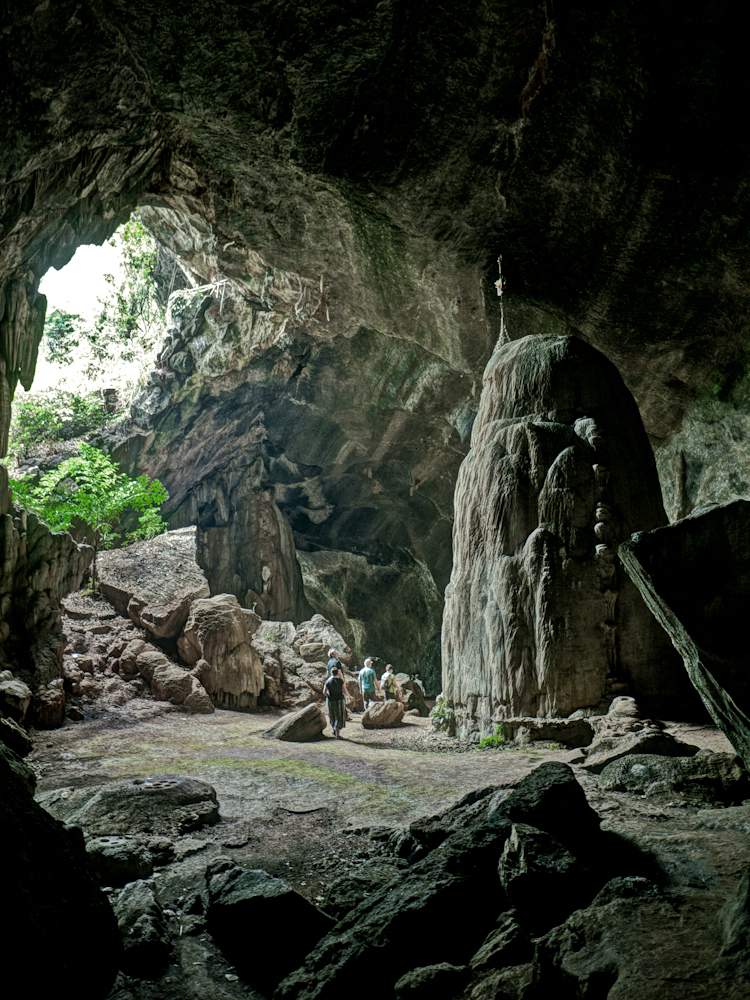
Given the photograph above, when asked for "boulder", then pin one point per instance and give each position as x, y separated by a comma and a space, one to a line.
430, 981
413, 696
609, 748
383, 715
216, 632
708, 779
165, 806
348, 890
693, 575
452, 870
312, 651
354, 700
25, 776
544, 881
118, 860
299, 727
506, 944
37, 932
252, 620
15, 737
15, 697
168, 681
198, 702
154, 582
144, 930
560, 470
319, 632
239, 900
48, 710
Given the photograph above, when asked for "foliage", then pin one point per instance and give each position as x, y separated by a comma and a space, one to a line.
90, 487
117, 346
62, 335
442, 715
495, 742
151, 524
53, 415
269, 637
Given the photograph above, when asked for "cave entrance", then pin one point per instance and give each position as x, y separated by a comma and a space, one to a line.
105, 320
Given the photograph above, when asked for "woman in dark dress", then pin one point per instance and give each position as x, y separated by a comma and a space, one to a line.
333, 689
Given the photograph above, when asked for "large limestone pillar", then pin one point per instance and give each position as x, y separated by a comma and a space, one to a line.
540, 619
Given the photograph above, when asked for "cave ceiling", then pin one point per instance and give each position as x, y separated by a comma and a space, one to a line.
344, 176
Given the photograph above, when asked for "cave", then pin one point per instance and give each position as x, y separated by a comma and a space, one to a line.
467, 319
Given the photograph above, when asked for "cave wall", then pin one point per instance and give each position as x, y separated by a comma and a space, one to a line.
344, 177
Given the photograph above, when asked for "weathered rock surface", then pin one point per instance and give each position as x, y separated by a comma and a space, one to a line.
707, 779
154, 582
241, 899
144, 930
15, 737
163, 805
216, 633
299, 727
559, 471
457, 872
118, 860
348, 891
38, 567
607, 749
383, 715
36, 845
695, 578
568, 732
20, 770
443, 979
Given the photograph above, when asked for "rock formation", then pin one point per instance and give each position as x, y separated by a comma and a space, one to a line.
38, 568
694, 576
39, 845
340, 189
540, 620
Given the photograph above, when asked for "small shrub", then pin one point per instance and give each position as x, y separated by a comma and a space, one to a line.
495, 742
442, 716
53, 415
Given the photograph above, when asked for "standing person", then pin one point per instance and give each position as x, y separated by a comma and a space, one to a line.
368, 682
333, 689
388, 683
333, 661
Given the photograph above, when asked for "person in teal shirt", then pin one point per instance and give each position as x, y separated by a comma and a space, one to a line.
368, 683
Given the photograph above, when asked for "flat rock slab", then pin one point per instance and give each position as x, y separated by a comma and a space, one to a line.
154, 582
164, 805
570, 733
649, 742
705, 779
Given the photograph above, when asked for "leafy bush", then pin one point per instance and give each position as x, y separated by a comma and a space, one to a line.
53, 415
495, 742
89, 487
442, 715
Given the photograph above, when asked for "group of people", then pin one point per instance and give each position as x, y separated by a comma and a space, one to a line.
369, 685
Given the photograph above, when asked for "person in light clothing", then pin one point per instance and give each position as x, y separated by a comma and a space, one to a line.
368, 683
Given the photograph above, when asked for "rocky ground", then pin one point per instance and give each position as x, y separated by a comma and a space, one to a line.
311, 813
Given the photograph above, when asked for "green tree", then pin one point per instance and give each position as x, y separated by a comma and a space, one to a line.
62, 336
91, 487
131, 318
